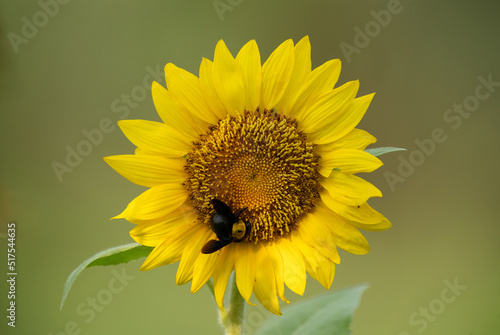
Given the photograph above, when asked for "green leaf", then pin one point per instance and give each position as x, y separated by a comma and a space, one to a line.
383, 150
326, 314
112, 256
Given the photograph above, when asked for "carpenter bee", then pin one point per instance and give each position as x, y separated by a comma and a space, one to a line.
227, 226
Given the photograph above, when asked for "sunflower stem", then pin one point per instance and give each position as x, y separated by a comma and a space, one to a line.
232, 321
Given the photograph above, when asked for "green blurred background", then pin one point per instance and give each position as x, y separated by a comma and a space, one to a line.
78, 66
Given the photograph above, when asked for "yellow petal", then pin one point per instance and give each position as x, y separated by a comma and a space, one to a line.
172, 113
276, 73
170, 250
382, 225
185, 87
350, 239
348, 161
349, 189
363, 213
314, 232
319, 81
322, 270
155, 204
355, 139
148, 170
278, 266
228, 80
265, 281
153, 233
345, 235
222, 272
155, 137
244, 268
301, 69
327, 107
342, 123
294, 267
318, 266
249, 61
191, 253
208, 89
203, 269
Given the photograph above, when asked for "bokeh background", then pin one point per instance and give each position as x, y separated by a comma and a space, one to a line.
89, 61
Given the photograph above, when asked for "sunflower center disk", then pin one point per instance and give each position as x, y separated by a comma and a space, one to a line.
259, 161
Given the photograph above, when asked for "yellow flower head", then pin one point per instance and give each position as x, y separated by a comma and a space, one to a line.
256, 166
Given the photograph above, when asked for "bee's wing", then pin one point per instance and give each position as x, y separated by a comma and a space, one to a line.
214, 245
223, 209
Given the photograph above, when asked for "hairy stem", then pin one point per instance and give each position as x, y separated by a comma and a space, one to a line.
232, 320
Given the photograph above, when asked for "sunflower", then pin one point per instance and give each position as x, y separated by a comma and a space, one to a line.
276, 144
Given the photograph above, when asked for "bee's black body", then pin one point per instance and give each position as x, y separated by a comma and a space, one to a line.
223, 224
